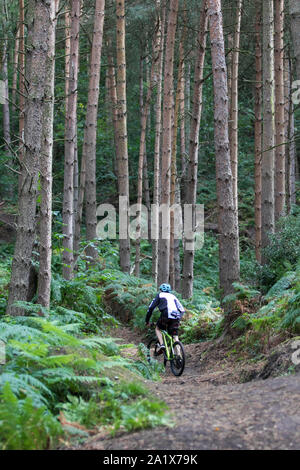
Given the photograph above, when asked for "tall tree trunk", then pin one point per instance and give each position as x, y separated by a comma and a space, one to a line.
157, 144
122, 147
36, 58
15, 65
290, 166
287, 102
6, 111
229, 69
229, 263
258, 127
5, 107
146, 184
267, 215
145, 114
67, 55
45, 219
174, 182
113, 99
164, 242
70, 144
292, 158
76, 191
21, 78
294, 7
78, 180
187, 130
192, 178
279, 111
233, 118
90, 132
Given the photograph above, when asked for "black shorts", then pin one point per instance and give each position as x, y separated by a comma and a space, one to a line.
165, 323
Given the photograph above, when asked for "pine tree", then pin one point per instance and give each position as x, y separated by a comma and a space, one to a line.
229, 261
38, 45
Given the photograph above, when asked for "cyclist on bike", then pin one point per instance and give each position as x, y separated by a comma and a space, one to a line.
171, 313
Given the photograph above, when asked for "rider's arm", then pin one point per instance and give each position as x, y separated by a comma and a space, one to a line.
179, 306
152, 306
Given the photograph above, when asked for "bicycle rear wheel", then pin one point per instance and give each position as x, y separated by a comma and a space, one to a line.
152, 353
178, 363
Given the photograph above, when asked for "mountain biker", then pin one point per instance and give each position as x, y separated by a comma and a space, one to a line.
171, 312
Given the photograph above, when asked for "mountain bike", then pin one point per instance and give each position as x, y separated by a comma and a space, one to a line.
174, 353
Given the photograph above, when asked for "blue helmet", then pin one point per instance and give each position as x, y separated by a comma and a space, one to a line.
165, 288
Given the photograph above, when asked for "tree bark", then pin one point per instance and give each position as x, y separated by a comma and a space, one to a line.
45, 219
233, 118
90, 131
174, 179
6, 107
258, 128
36, 58
294, 8
113, 99
70, 144
279, 111
21, 78
164, 241
6, 110
192, 177
122, 147
187, 130
229, 263
290, 163
145, 114
16, 63
157, 144
268, 152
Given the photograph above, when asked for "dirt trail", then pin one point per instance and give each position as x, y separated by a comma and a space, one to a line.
213, 411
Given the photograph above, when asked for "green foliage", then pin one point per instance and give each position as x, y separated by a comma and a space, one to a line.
291, 318
281, 286
124, 405
4, 280
283, 252
242, 292
48, 361
23, 425
133, 294
201, 325
150, 370
118, 412
81, 296
279, 316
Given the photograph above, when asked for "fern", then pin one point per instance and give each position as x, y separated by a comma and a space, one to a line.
241, 292
50, 358
23, 425
25, 385
282, 285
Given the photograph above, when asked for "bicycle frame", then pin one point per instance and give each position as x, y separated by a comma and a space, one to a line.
168, 342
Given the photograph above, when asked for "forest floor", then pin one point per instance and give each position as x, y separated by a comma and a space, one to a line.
215, 406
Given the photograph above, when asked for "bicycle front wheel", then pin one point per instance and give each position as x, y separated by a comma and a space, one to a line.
152, 353
178, 362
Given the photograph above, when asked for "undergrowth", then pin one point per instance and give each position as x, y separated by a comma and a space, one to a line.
278, 316
63, 361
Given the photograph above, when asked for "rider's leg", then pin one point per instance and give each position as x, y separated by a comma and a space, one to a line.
159, 335
175, 326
